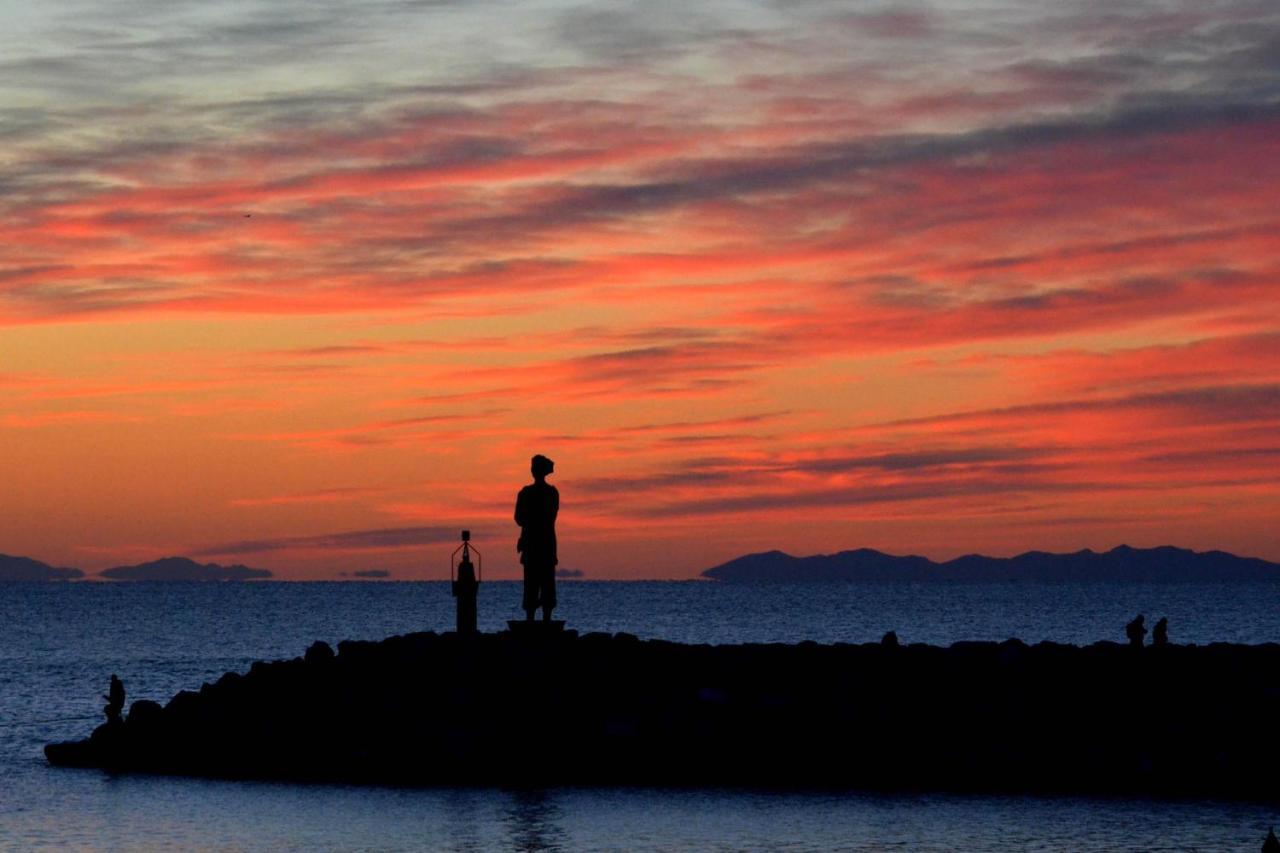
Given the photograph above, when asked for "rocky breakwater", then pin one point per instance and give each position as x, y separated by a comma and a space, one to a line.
510, 709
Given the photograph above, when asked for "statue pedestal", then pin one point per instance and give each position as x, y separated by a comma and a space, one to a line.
535, 628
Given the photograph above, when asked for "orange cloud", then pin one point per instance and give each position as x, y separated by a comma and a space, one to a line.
802, 291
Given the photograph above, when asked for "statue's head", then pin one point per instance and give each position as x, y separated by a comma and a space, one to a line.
541, 466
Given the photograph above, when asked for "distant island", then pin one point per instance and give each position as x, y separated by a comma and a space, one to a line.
570, 573
1119, 564
183, 569
27, 569
366, 574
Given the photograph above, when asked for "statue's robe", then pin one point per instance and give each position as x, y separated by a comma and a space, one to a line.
536, 508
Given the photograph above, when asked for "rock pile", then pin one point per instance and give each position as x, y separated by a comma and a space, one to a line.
505, 709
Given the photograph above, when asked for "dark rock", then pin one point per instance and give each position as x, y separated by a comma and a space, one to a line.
79, 753
355, 649
319, 652
449, 710
144, 713
184, 704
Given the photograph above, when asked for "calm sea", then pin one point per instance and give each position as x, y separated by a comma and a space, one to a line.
59, 644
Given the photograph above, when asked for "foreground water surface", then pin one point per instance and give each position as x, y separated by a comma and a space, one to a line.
59, 643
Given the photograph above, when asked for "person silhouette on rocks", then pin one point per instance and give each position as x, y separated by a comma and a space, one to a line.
536, 508
1136, 631
1160, 634
115, 701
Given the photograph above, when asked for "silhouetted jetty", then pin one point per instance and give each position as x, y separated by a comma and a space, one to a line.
550, 707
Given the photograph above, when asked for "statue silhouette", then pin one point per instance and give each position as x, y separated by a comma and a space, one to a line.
1160, 633
1136, 631
465, 586
115, 700
536, 508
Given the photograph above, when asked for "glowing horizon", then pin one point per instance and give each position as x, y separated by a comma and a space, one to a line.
303, 286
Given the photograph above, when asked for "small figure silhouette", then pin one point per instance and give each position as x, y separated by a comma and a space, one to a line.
115, 700
536, 508
890, 639
1160, 633
1272, 844
1136, 631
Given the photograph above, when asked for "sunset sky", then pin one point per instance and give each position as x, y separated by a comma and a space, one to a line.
304, 284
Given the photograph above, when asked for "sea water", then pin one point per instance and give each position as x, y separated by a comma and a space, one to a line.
59, 644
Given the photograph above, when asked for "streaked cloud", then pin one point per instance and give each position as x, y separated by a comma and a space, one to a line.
351, 540
800, 275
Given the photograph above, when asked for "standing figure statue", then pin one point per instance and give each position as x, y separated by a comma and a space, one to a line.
536, 508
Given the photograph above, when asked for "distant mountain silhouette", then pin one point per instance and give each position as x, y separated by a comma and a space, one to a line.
183, 569
570, 573
371, 573
1119, 564
27, 569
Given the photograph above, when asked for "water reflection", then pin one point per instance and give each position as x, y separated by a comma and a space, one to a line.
463, 815
534, 822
